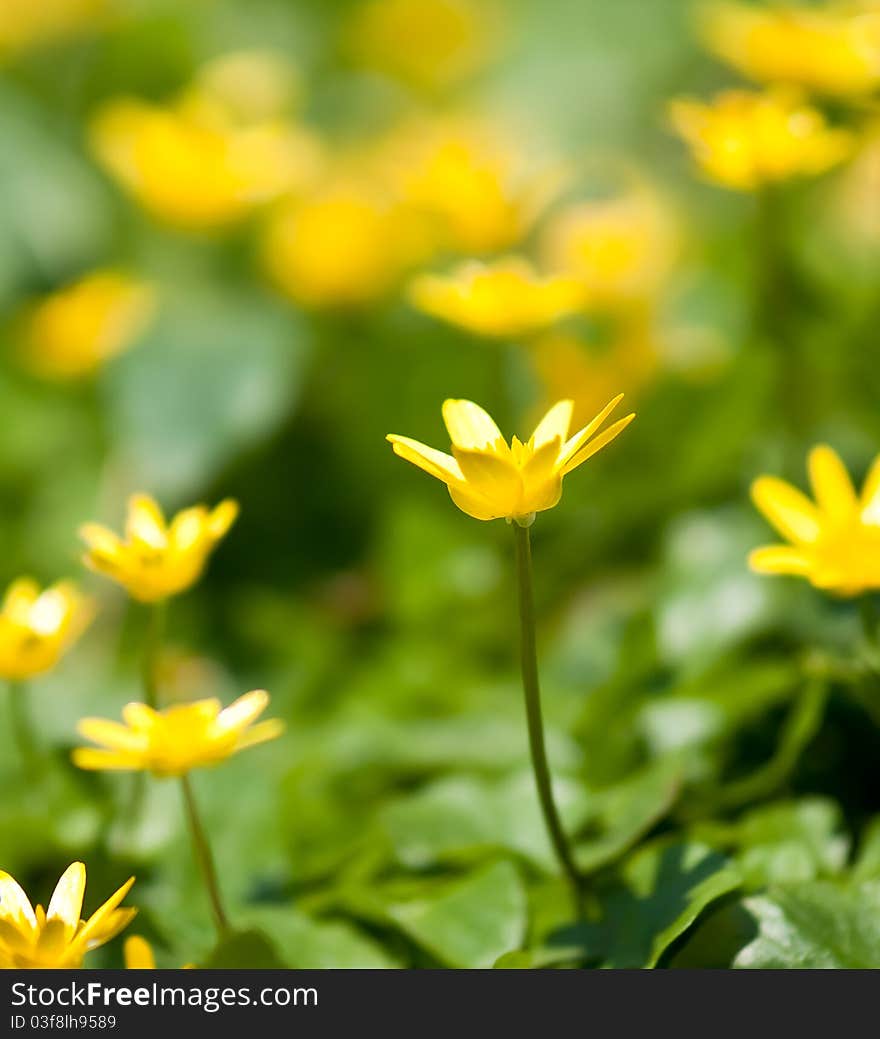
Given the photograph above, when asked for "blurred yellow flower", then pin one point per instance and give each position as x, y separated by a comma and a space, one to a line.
70, 333
157, 559
564, 364
249, 86
477, 190
29, 23
833, 50
177, 739
488, 478
345, 244
743, 140
37, 627
138, 954
194, 165
57, 937
621, 248
430, 44
835, 543
502, 299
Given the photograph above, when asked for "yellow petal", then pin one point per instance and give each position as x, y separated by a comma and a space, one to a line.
188, 528
14, 903
19, 598
267, 730
243, 711
102, 542
104, 760
554, 424
779, 559
434, 462
790, 512
137, 954
597, 443
496, 480
871, 494
577, 441
469, 426
542, 480
139, 716
472, 504
145, 523
107, 921
222, 518
832, 487
67, 898
111, 735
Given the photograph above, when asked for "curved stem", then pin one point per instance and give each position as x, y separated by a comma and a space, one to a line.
204, 857
532, 691
152, 648
21, 723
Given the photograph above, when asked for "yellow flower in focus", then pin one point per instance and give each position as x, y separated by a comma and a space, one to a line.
71, 332
37, 627
194, 165
34, 937
834, 542
505, 298
431, 44
478, 191
743, 140
488, 478
345, 244
157, 559
620, 248
28, 23
833, 50
177, 739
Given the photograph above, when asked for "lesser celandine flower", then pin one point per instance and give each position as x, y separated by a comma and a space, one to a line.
488, 479
345, 243
56, 937
834, 542
833, 49
157, 559
478, 191
428, 43
174, 741
38, 625
743, 140
503, 299
71, 332
621, 247
25, 24
491, 479
195, 164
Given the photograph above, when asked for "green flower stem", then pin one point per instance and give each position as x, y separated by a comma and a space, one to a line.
870, 618
532, 691
204, 857
21, 723
151, 651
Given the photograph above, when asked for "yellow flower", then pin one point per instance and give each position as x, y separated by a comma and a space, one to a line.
57, 937
835, 543
177, 739
430, 44
344, 244
25, 24
478, 192
37, 627
621, 248
488, 478
505, 298
743, 140
833, 50
138, 955
194, 165
157, 560
71, 332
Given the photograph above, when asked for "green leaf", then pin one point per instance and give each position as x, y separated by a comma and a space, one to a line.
249, 950
472, 922
815, 925
305, 943
662, 891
